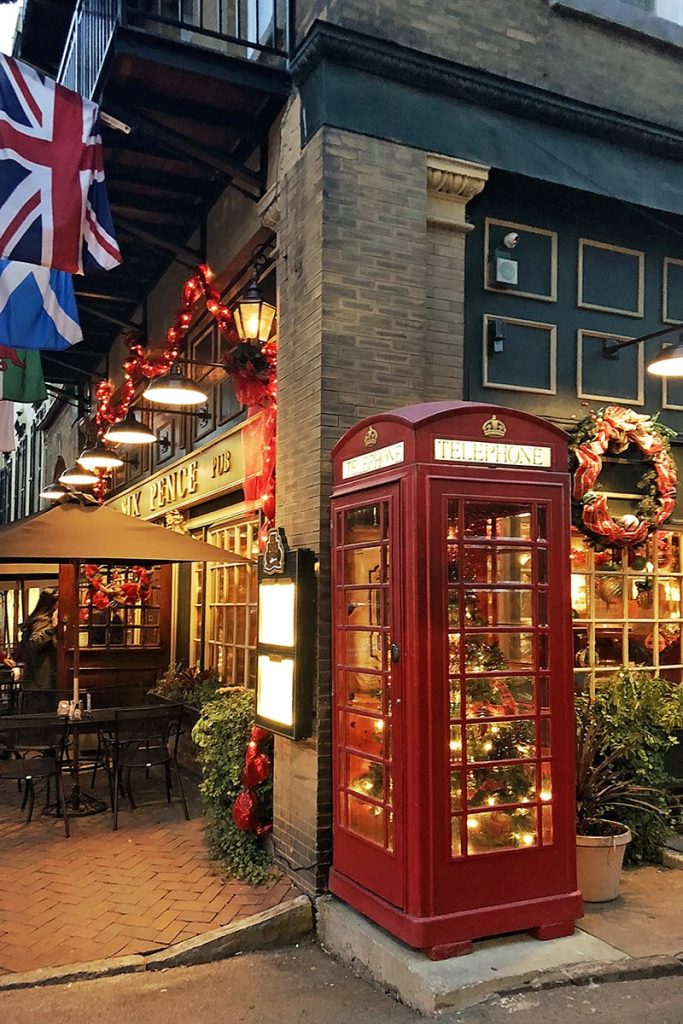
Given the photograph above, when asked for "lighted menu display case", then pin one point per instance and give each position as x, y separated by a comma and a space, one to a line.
284, 650
452, 651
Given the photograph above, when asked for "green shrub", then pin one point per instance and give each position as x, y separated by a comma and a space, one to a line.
638, 713
191, 686
222, 734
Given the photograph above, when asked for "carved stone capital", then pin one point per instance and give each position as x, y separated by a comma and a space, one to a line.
451, 183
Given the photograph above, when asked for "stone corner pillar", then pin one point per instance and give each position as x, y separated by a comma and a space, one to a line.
451, 183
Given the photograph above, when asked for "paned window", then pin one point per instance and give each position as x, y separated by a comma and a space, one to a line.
364, 619
119, 607
651, 17
224, 605
671, 10
499, 676
20, 479
626, 609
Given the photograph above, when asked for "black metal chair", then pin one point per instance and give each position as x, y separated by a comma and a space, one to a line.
143, 737
42, 702
33, 749
122, 696
9, 692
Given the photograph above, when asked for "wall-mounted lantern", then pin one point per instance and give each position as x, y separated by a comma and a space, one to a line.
285, 639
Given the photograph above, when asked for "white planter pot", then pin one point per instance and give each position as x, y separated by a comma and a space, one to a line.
598, 864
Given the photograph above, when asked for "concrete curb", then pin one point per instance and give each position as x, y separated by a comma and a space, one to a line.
72, 972
284, 923
673, 859
631, 969
509, 965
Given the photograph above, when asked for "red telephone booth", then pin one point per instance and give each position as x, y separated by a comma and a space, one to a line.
453, 725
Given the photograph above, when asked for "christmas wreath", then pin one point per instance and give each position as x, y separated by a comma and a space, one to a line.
616, 429
119, 590
252, 370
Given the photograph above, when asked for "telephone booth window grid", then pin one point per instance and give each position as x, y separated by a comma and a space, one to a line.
627, 610
498, 676
363, 622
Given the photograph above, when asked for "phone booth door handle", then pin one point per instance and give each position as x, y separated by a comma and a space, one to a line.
395, 652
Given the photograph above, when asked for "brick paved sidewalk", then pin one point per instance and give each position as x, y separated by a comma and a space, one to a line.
103, 893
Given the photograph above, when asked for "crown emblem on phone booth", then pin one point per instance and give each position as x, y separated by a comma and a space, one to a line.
494, 427
370, 437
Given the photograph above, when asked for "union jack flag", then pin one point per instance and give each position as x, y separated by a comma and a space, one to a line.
54, 209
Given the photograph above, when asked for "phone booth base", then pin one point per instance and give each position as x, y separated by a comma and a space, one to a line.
453, 728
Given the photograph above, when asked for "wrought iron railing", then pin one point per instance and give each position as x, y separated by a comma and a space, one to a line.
90, 35
252, 29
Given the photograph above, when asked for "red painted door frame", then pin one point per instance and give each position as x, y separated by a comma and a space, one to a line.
379, 854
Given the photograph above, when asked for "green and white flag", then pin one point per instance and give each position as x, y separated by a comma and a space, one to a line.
21, 375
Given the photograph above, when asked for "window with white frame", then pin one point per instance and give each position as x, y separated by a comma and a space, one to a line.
626, 609
672, 10
660, 19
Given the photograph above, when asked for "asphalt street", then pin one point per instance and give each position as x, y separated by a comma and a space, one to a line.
302, 985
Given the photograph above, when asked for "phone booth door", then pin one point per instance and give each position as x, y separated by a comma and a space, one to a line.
493, 612
367, 691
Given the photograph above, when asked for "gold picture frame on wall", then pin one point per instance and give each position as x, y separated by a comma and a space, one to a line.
669, 261
517, 226
638, 398
550, 329
585, 243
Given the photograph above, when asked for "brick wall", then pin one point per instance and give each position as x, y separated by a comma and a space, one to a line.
527, 41
370, 319
296, 796
445, 312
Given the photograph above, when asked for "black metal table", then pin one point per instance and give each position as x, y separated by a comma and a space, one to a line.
80, 804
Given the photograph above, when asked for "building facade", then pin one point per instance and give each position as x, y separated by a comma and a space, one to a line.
382, 157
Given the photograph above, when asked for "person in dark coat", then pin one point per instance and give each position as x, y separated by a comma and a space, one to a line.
39, 643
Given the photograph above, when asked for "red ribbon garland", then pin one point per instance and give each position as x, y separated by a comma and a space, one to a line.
617, 428
257, 389
119, 591
137, 367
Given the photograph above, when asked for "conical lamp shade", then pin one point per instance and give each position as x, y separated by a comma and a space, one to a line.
130, 431
53, 492
99, 457
174, 389
669, 362
76, 476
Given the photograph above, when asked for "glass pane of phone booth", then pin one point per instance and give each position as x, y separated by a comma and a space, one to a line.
498, 676
363, 622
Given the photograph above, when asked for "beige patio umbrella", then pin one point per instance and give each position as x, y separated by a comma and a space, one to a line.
76, 532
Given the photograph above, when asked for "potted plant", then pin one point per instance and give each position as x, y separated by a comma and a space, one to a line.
603, 786
193, 687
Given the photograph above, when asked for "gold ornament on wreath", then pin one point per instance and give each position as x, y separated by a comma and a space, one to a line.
615, 429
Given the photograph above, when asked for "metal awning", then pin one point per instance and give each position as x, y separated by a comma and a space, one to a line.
200, 122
